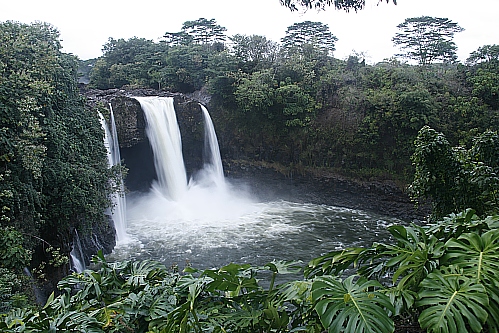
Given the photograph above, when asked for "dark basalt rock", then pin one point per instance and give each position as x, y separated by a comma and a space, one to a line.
131, 124
135, 149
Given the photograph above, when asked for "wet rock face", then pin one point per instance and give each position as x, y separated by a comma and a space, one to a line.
131, 129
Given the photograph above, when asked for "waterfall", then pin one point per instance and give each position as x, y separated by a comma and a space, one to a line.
164, 136
118, 209
77, 258
213, 160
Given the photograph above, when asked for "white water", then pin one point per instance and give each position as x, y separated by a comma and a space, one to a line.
77, 259
213, 160
209, 222
118, 209
164, 137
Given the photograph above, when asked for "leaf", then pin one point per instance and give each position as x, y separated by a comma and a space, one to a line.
49, 300
348, 306
295, 291
414, 255
492, 221
401, 298
232, 279
143, 271
333, 262
453, 303
477, 256
284, 267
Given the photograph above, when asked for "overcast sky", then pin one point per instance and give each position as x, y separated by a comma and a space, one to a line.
86, 25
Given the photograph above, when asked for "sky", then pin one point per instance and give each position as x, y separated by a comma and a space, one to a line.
86, 25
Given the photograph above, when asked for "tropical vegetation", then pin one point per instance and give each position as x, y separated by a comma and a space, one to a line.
431, 125
444, 275
54, 177
295, 104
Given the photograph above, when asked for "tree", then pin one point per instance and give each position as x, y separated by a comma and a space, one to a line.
176, 38
427, 39
54, 175
321, 4
203, 31
257, 52
454, 178
486, 53
299, 36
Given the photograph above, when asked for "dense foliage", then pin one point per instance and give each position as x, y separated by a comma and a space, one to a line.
291, 103
53, 166
295, 104
444, 276
455, 178
346, 5
427, 39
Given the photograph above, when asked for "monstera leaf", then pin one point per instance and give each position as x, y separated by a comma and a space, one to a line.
351, 305
453, 303
333, 263
476, 255
142, 272
413, 256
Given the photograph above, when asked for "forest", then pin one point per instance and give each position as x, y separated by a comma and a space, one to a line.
420, 119
317, 111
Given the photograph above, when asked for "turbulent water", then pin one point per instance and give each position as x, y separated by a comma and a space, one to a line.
212, 229
208, 222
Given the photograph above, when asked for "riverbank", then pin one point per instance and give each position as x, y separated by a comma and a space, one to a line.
268, 181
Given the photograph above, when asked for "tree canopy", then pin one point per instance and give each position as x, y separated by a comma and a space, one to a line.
484, 54
346, 5
427, 39
200, 31
53, 164
307, 33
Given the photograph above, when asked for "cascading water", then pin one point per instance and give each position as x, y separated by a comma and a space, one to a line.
118, 209
210, 222
77, 259
164, 137
213, 160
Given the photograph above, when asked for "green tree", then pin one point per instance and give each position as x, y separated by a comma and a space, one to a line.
427, 39
176, 38
254, 52
203, 31
127, 62
483, 75
256, 93
455, 178
53, 163
299, 36
346, 5
484, 54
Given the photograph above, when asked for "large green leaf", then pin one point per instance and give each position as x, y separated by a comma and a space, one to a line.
231, 279
413, 256
352, 305
476, 255
140, 272
453, 303
334, 262
454, 225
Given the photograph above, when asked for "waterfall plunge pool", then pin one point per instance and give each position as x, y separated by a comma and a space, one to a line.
212, 227
209, 221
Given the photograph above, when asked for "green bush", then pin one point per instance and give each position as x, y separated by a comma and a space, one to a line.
444, 274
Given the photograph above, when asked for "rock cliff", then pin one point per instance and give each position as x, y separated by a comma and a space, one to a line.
131, 124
